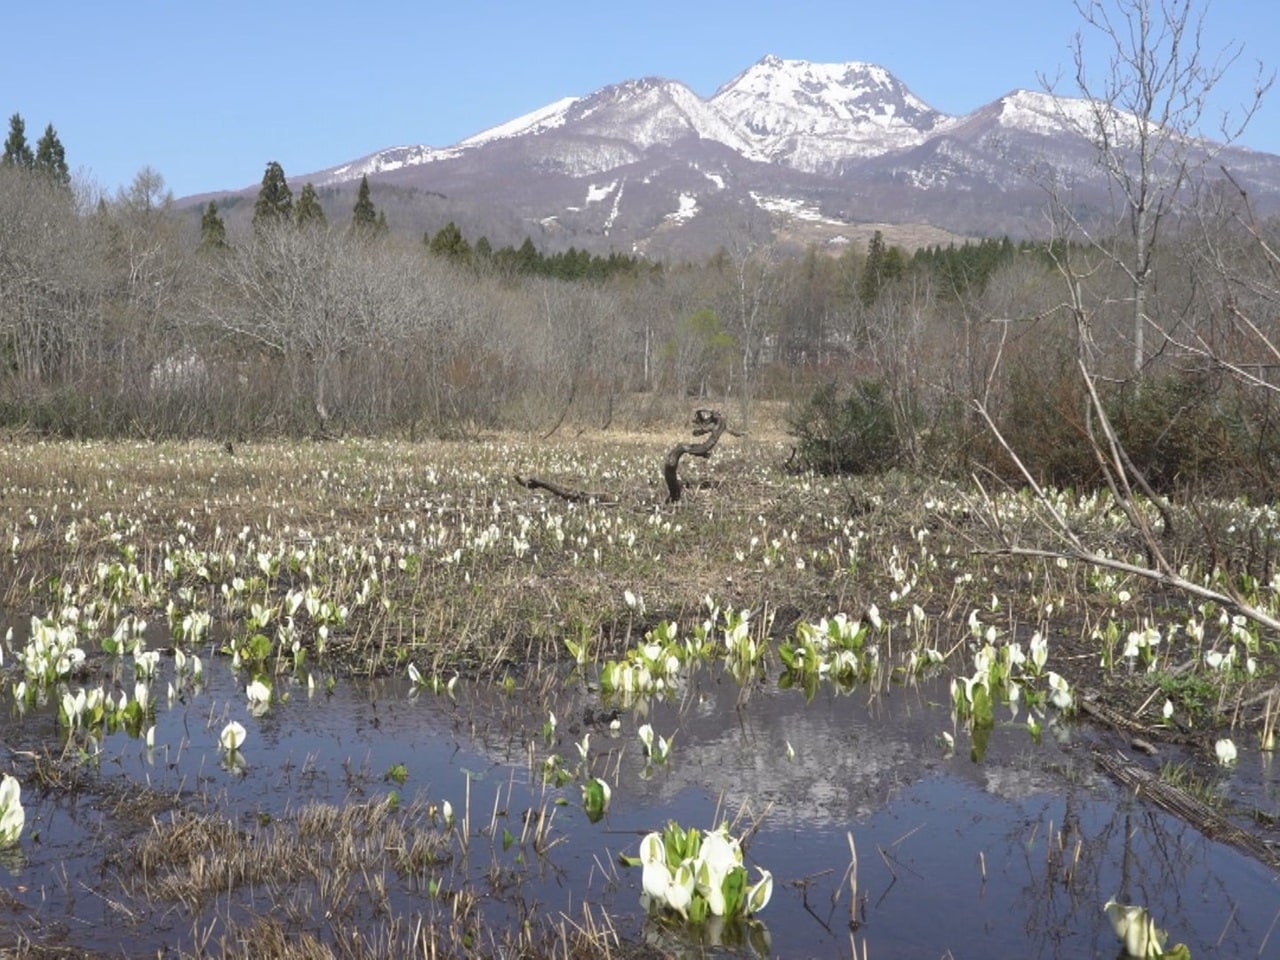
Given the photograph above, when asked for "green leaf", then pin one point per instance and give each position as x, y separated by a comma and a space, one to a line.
259, 647
981, 736
595, 798
735, 882
982, 705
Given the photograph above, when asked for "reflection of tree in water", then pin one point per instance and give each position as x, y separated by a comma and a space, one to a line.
1093, 843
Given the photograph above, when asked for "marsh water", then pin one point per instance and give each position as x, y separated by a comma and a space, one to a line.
1009, 855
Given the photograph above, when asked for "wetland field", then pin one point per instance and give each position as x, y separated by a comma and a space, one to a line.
372, 698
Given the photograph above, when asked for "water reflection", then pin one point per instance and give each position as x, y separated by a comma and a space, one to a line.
1013, 856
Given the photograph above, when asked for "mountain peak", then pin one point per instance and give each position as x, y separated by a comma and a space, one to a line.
653, 111
815, 114
1049, 115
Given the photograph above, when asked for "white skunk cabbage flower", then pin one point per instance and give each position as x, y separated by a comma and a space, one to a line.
1136, 929
1226, 752
759, 894
653, 857
232, 736
12, 816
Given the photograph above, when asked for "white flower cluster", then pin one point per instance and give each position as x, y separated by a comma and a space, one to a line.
695, 875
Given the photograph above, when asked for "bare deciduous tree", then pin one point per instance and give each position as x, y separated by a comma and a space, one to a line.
48, 290
336, 313
1143, 115
1143, 118
752, 282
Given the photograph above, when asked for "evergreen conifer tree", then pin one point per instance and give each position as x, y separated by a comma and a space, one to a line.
275, 199
364, 218
308, 211
884, 263
213, 232
449, 242
51, 158
16, 151
527, 258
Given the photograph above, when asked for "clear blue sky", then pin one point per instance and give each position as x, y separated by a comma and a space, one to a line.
206, 93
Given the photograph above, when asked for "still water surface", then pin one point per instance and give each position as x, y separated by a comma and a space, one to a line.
1012, 856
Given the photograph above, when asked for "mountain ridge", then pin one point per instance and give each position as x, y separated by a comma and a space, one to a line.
831, 146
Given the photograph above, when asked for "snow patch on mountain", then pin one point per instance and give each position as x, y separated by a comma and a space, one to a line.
613, 213
597, 194
384, 161
791, 207
1051, 116
652, 112
1043, 113
535, 121
687, 209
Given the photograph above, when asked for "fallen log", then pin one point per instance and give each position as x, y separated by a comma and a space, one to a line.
1185, 807
566, 493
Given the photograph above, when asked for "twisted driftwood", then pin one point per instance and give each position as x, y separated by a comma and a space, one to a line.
709, 424
706, 423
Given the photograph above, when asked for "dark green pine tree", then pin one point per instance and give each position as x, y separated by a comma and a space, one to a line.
364, 217
527, 258
275, 199
51, 158
307, 211
213, 232
883, 264
449, 242
16, 151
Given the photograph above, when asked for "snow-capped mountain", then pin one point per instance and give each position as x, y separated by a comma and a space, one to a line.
814, 116
822, 152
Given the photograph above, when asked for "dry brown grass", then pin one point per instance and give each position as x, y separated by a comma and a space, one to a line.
193, 858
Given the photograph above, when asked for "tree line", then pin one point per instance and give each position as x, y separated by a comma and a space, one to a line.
528, 260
